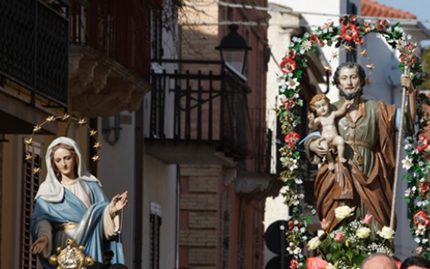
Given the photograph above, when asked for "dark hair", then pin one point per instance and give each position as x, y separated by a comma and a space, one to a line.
74, 155
376, 255
417, 261
360, 70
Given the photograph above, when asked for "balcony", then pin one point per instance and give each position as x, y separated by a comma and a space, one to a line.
199, 116
33, 62
109, 56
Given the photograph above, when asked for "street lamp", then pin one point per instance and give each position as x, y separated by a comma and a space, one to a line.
233, 49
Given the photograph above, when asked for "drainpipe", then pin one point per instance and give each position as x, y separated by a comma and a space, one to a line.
138, 190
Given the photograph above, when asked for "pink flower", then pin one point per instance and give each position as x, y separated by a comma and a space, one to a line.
324, 224
316, 263
338, 237
294, 264
368, 219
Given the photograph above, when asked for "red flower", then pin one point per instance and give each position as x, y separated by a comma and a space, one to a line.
359, 40
421, 218
288, 65
353, 18
322, 44
316, 263
380, 25
313, 38
402, 59
422, 142
349, 32
291, 54
292, 139
423, 187
294, 264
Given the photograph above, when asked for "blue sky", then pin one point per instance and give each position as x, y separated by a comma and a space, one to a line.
420, 8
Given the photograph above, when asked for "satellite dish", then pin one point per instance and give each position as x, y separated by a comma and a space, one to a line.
393, 73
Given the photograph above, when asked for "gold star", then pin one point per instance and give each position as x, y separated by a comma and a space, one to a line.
36, 170
97, 145
368, 81
82, 122
50, 119
93, 132
96, 158
327, 68
334, 55
370, 66
29, 141
363, 53
65, 117
28, 156
37, 128
348, 48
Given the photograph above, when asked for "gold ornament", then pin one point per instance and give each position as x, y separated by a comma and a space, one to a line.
71, 257
93, 133
50, 119
334, 55
327, 68
370, 66
348, 48
65, 117
37, 128
363, 53
36, 170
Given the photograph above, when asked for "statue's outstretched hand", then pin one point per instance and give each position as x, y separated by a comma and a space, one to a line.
118, 202
39, 245
318, 148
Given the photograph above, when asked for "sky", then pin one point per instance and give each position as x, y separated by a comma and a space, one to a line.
420, 8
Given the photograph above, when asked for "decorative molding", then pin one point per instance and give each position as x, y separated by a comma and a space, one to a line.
253, 186
101, 87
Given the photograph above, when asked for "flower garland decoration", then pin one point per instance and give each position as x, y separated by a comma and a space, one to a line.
348, 36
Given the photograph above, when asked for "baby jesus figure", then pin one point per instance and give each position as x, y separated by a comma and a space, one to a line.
325, 122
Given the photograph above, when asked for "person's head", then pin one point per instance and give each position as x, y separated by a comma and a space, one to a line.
378, 261
350, 79
64, 161
320, 104
415, 262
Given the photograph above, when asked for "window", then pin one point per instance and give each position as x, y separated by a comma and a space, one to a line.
155, 221
29, 190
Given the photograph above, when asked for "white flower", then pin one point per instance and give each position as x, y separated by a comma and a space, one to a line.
343, 212
425, 240
298, 181
306, 45
291, 163
282, 88
363, 232
386, 233
420, 230
314, 243
330, 266
408, 192
407, 163
292, 83
282, 97
418, 240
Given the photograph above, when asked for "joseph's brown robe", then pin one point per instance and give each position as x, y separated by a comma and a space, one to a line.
366, 180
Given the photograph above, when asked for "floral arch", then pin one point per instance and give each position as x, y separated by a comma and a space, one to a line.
355, 243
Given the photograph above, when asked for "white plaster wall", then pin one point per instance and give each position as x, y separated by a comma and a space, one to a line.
160, 187
116, 173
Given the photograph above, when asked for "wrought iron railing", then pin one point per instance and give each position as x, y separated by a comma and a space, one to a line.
34, 47
204, 107
118, 29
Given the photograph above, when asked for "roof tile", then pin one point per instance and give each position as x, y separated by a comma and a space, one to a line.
374, 9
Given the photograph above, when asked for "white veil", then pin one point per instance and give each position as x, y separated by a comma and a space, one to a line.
51, 189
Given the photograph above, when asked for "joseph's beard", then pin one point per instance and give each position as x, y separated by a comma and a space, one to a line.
351, 95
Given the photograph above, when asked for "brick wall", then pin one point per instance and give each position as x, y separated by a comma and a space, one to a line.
199, 204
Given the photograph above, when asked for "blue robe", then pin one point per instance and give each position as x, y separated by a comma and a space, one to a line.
89, 233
